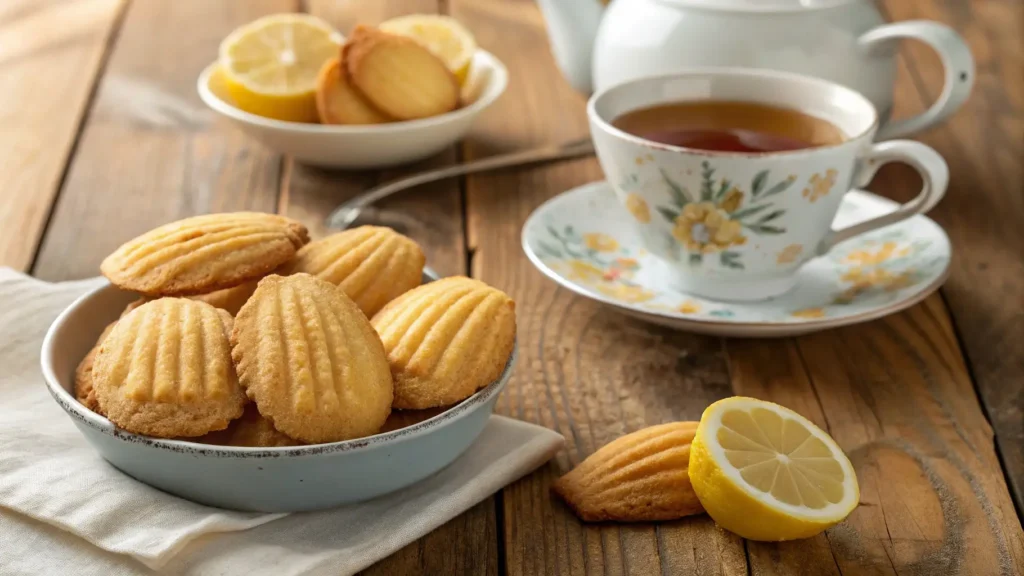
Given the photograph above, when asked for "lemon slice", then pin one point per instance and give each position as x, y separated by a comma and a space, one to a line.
765, 472
443, 35
270, 65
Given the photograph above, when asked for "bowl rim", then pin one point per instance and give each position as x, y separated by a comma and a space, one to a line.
495, 87
77, 411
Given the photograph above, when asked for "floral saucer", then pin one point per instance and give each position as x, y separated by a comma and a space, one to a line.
580, 240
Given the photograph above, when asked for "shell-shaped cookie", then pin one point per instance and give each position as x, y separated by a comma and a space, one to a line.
229, 300
251, 430
445, 340
165, 370
310, 360
640, 477
84, 392
372, 264
204, 253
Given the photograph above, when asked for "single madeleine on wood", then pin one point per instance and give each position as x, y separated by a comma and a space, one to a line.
372, 264
204, 253
310, 360
445, 340
639, 477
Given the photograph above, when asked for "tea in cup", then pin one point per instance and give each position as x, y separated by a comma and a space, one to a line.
733, 177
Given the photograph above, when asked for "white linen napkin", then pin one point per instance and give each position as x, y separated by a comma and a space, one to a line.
63, 509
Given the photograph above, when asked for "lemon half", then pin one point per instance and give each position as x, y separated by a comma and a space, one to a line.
443, 35
765, 472
270, 65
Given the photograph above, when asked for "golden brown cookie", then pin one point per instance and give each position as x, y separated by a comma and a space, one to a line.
84, 392
445, 340
640, 477
204, 253
229, 300
372, 264
339, 102
251, 430
165, 370
398, 75
310, 360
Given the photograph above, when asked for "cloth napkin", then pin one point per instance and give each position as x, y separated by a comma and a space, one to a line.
64, 510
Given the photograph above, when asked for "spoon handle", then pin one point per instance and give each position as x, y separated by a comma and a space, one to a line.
344, 215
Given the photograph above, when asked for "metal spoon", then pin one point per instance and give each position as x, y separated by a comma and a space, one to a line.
344, 215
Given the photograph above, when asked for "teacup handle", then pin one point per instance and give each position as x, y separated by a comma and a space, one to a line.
956, 60
928, 163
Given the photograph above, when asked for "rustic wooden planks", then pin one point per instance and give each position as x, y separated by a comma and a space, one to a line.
150, 151
50, 54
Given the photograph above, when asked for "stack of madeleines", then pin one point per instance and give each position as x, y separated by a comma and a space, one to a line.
247, 334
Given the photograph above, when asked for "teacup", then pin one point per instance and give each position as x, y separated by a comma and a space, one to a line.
738, 225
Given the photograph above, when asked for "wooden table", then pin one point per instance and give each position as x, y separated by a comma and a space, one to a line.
104, 137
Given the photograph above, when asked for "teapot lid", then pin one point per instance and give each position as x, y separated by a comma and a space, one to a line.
760, 5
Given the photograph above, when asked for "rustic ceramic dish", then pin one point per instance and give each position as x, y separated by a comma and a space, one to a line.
257, 479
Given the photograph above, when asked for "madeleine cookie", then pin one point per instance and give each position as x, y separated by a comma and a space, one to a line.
204, 253
84, 392
445, 340
229, 300
310, 360
339, 102
398, 75
165, 370
639, 477
372, 264
251, 430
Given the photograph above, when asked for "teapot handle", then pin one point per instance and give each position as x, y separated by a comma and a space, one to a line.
956, 60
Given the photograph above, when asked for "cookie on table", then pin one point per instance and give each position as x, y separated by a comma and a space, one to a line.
165, 370
251, 430
445, 340
372, 264
640, 477
205, 253
309, 359
84, 392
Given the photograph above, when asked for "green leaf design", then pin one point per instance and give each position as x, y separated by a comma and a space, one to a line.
707, 184
746, 212
771, 216
696, 259
730, 260
758, 184
554, 233
763, 229
722, 189
781, 186
549, 249
668, 214
680, 195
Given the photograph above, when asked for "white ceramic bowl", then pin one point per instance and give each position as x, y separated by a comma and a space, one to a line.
371, 146
257, 479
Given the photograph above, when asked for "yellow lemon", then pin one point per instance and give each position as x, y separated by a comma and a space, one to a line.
443, 35
765, 472
270, 66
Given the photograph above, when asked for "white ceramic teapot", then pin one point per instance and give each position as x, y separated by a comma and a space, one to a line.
846, 41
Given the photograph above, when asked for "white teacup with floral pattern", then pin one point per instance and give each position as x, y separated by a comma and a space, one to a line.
738, 225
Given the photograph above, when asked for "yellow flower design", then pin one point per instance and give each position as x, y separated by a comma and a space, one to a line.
809, 313
870, 258
638, 207
789, 254
600, 242
626, 293
863, 280
731, 202
702, 227
688, 307
584, 272
819, 185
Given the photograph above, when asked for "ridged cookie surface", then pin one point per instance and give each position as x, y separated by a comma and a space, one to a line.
251, 430
639, 477
372, 264
84, 392
204, 253
445, 340
165, 370
310, 360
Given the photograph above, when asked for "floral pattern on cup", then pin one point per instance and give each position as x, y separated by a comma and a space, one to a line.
819, 185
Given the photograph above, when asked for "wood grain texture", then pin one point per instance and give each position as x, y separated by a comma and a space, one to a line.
50, 54
983, 211
150, 151
431, 215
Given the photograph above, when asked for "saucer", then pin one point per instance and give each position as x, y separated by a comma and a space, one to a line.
580, 240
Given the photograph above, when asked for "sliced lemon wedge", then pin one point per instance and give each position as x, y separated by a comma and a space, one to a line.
767, 473
443, 35
270, 66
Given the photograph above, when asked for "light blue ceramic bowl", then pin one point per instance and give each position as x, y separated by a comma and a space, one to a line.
257, 479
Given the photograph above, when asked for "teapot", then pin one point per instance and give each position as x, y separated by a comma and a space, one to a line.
846, 41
